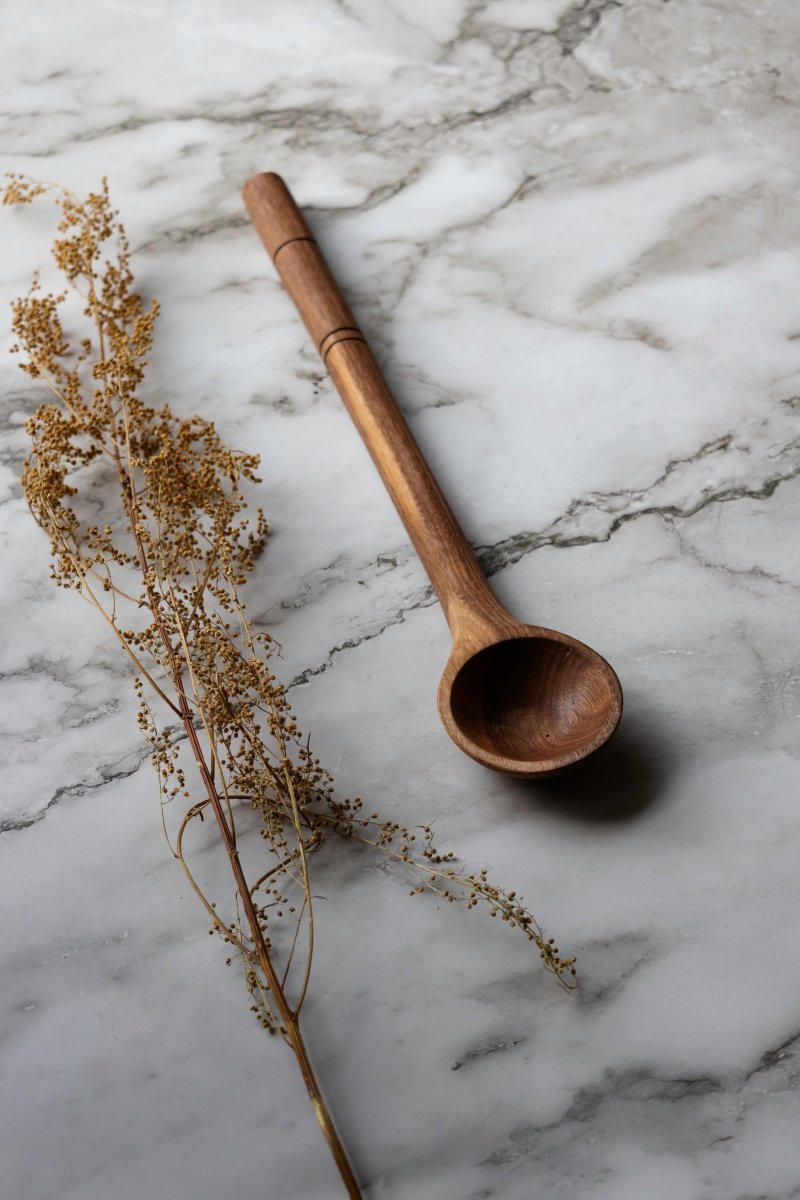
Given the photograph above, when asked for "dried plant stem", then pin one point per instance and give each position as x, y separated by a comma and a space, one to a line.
290, 1027
169, 561
290, 1016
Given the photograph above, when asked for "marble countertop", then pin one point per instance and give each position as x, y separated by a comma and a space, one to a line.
571, 233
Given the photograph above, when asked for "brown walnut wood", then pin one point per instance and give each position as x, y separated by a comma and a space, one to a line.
518, 698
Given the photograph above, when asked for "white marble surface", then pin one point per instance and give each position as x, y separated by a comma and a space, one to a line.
572, 233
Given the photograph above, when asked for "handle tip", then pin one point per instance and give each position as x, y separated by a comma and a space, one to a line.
264, 181
273, 211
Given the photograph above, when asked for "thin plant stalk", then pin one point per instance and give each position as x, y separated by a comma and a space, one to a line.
165, 574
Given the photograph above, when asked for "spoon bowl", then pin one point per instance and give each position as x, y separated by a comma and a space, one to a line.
530, 705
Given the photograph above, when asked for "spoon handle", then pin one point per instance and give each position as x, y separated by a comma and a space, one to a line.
457, 579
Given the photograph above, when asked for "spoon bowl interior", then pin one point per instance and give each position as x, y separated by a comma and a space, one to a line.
531, 705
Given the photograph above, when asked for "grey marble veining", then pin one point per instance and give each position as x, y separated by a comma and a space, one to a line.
571, 233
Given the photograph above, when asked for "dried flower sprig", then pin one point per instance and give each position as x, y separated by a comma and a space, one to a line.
165, 571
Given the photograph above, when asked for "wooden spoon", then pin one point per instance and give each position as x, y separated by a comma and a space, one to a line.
519, 698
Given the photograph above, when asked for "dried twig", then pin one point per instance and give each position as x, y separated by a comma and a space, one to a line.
165, 573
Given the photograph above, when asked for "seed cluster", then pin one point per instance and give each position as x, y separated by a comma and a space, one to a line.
164, 566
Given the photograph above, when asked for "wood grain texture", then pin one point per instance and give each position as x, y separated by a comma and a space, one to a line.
304, 272
518, 698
